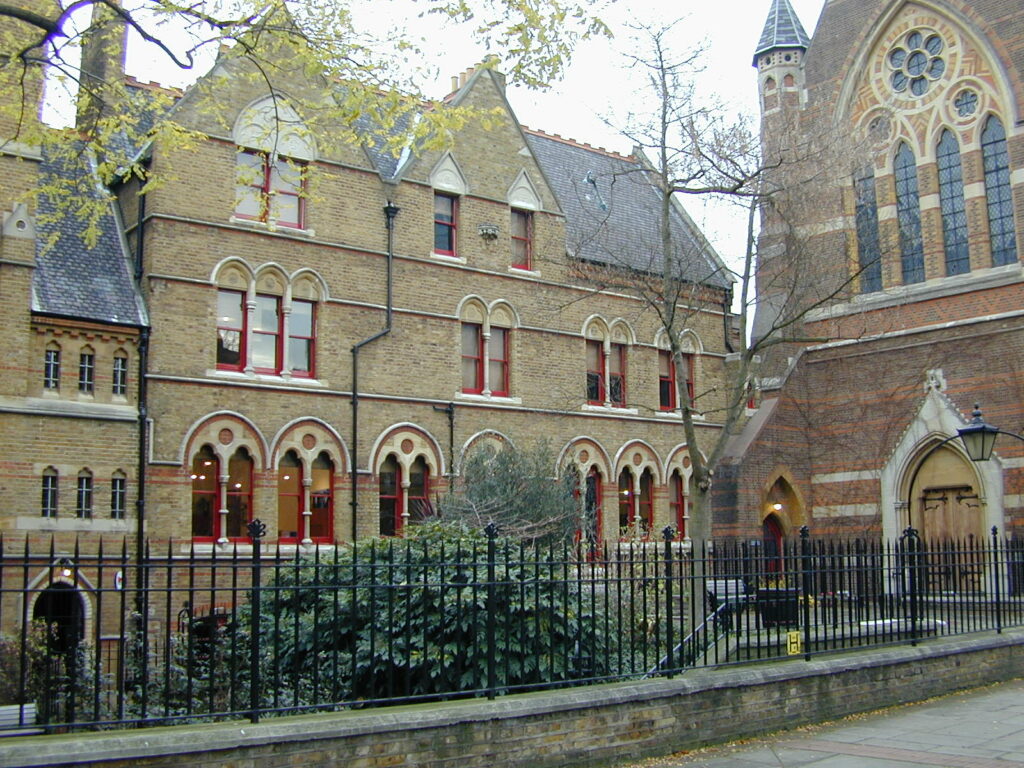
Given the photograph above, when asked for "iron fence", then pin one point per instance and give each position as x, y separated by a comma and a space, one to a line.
102, 639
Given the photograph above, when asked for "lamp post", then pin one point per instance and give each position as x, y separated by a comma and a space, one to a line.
979, 439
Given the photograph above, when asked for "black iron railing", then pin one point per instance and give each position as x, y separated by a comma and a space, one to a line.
251, 631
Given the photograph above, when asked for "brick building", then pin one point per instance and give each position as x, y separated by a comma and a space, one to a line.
912, 240
315, 334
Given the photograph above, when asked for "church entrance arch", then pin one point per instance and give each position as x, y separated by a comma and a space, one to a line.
945, 501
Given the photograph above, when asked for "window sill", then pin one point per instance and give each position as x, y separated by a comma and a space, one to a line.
523, 272
611, 410
269, 378
262, 225
445, 258
493, 399
67, 523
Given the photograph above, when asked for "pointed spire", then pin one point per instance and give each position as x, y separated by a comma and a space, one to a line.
781, 30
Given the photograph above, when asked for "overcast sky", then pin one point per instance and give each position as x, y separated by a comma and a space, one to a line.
597, 90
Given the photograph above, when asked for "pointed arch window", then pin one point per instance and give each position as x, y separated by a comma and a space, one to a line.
302, 516
403, 501
321, 499
996, 159
51, 369
908, 213
289, 497
677, 503
590, 531
87, 371
951, 198
239, 496
869, 254
118, 495
83, 495
205, 497
48, 507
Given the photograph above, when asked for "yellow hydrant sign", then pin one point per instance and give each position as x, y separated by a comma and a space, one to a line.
793, 644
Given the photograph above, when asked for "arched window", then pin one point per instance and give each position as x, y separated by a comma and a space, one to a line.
48, 506
321, 498
87, 371
289, 498
402, 502
869, 254
118, 495
83, 495
590, 532
617, 375
239, 495
951, 197
205, 495
645, 502
119, 376
677, 503
595, 372
908, 212
627, 512
51, 367
1002, 238
390, 497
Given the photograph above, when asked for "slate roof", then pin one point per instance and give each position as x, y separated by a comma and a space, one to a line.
612, 212
72, 279
782, 29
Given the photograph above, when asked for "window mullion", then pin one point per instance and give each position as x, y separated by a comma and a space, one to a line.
485, 359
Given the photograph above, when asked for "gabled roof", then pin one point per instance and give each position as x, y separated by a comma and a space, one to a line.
612, 212
73, 279
782, 29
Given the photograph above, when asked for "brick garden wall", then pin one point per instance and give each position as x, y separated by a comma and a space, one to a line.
583, 726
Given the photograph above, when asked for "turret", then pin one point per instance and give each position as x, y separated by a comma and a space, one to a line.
779, 58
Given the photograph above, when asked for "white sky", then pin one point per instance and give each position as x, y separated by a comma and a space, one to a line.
596, 87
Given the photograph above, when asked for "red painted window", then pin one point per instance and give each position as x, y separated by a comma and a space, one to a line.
394, 499
301, 338
266, 335
617, 376
472, 358
270, 191
231, 330
645, 502
205, 493
264, 340
445, 210
522, 239
207, 522
595, 372
666, 381
291, 499
626, 509
677, 502
497, 362
686, 371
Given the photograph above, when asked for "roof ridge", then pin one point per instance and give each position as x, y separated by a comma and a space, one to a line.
579, 144
782, 29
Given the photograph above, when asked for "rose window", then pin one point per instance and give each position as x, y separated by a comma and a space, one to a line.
916, 62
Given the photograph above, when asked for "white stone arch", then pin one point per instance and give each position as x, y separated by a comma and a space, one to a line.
446, 176
483, 437
596, 455
936, 419
328, 440
523, 194
54, 574
621, 332
690, 342
956, 27
502, 314
234, 273
472, 309
422, 443
206, 430
272, 125
308, 284
626, 458
272, 279
596, 327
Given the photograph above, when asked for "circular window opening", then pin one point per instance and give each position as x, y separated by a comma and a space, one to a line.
916, 62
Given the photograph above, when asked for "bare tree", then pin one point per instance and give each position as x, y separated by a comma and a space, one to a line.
690, 148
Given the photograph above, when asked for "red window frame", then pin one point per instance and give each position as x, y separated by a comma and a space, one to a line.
445, 224
226, 325
497, 361
205, 488
273, 331
290, 492
418, 494
645, 502
241, 471
297, 341
389, 497
321, 498
677, 503
617, 376
592, 494
627, 512
667, 381
688, 359
273, 180
472, 341
522, 239
595, 372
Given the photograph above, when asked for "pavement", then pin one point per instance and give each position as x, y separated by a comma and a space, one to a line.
982, 728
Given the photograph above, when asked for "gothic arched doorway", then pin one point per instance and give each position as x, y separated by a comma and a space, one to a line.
772, 534
944, 503
59, 608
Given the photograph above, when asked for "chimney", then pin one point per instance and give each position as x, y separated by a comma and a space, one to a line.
102, 70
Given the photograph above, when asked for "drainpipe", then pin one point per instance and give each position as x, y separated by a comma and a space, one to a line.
140, 497
726, 306
390, 211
